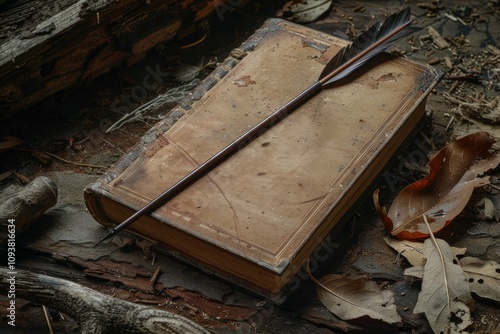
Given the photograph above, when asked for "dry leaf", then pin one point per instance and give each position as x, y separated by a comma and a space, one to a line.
413, 251
304, 11
351, 299
9, 142
445, 297
444, 193
483, 277
356, 298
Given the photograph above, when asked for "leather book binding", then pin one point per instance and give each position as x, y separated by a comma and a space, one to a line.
255, 218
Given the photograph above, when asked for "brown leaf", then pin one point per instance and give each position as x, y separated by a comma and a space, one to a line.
445, 297
444, 193
356, 298
351, 299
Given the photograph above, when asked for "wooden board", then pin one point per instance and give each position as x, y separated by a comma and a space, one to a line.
44, 51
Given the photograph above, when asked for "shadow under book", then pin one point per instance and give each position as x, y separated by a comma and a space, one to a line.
257, 217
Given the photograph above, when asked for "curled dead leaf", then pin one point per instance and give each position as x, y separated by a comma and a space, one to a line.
444, 193
352, 299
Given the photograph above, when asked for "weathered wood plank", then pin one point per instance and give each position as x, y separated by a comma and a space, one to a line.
81, 41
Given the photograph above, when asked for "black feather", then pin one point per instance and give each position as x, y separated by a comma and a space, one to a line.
367, 45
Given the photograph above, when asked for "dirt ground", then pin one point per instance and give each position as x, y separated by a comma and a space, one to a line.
67, 141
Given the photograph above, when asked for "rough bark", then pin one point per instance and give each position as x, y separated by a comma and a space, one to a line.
96, 313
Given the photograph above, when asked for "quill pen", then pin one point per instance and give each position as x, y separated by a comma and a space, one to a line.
366, 46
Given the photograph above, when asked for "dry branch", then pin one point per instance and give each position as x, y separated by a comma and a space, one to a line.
96, 313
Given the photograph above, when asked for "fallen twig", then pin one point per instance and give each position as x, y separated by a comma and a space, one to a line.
63, 160
47, 318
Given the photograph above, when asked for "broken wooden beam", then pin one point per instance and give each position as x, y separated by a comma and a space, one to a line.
42, 54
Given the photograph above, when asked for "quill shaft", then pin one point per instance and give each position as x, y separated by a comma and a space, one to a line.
348, 59
215, 160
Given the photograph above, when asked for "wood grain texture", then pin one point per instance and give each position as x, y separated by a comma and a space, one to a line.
43, 52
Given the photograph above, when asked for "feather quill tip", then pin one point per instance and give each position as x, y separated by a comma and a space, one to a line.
367, 45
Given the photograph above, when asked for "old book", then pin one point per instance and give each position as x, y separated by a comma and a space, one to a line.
257, 217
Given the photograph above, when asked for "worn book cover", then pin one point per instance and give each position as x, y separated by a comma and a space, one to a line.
256, 218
